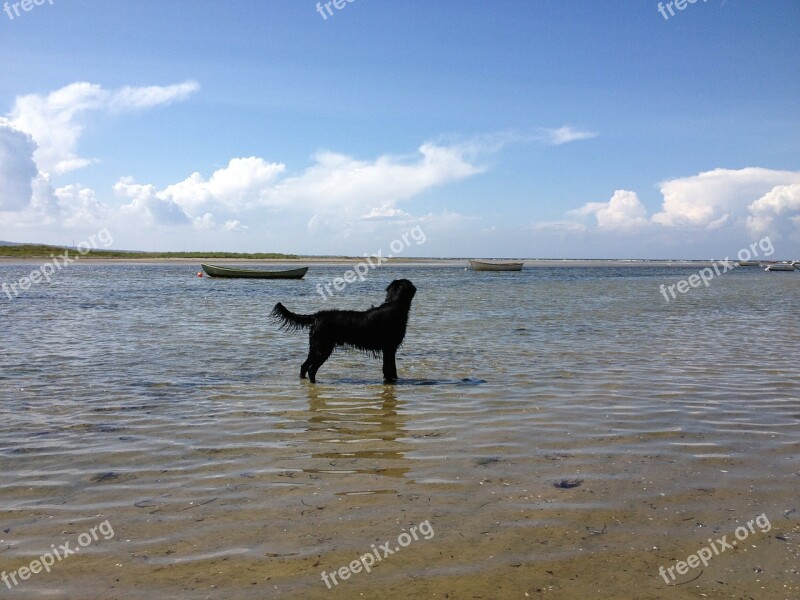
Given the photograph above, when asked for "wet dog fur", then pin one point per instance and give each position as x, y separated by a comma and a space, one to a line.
378, 330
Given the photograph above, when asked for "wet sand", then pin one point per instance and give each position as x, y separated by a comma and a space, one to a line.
163, 404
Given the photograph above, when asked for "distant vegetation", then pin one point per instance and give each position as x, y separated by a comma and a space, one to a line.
42, 251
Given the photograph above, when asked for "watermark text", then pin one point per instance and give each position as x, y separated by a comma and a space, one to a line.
678, 4
705, 275
48, 269
48, 559
371, 262
715, 548
366, 561
12, 8
323, 8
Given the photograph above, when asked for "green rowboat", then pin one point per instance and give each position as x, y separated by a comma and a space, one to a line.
215, 271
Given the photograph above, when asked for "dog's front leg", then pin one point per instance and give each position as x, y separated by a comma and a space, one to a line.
389, 366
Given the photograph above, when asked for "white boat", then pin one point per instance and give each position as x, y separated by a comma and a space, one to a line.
781, 266
495, 265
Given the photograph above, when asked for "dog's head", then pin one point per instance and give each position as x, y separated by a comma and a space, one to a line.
400, 290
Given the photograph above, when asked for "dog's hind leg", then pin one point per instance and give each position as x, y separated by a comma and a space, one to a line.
317, 355
312, 350
389, 366
309, 359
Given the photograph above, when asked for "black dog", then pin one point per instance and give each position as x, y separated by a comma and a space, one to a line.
379, 329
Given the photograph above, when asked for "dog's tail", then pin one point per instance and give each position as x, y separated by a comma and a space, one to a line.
288, 320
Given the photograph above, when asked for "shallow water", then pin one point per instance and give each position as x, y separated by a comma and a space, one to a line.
171, 407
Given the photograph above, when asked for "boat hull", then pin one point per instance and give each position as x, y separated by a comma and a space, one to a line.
480, 265
780, 267
232, 273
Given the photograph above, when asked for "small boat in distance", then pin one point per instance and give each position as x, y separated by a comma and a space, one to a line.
781, 266
495, 265
216, 271
749, 263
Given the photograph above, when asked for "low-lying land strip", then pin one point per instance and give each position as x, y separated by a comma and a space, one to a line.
44, 251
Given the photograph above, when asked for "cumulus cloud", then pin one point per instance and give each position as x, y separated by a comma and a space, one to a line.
352, 187
776, 212
234, 225
761, 200
146, 202
17, 168
714, 198
204, 222
39, 139
334, 190
237, 186
79, 206
623, 212
336, 193
54, 120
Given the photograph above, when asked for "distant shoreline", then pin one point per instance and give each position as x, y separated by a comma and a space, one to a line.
36, 253
322, 261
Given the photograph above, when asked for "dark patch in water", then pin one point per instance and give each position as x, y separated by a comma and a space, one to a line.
566, 484
26, 450
124, 408
403, 382
92, 428
106, 428
487, 460
99, 305
110, 476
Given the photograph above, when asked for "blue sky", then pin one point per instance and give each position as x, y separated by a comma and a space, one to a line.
502, 129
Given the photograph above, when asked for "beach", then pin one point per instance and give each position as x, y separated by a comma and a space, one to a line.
564, 432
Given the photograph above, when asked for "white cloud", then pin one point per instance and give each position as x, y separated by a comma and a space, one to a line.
54, 123
315, 223
41, 138
334, 191
623, 212
776, 212
559, 226
764, 200
385, 212
344, 197
350, 188
17, 169
237, 186
205, 222
132, 98
331, 195
714, 198
146, 202
564, 135
78, 206
234, 225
